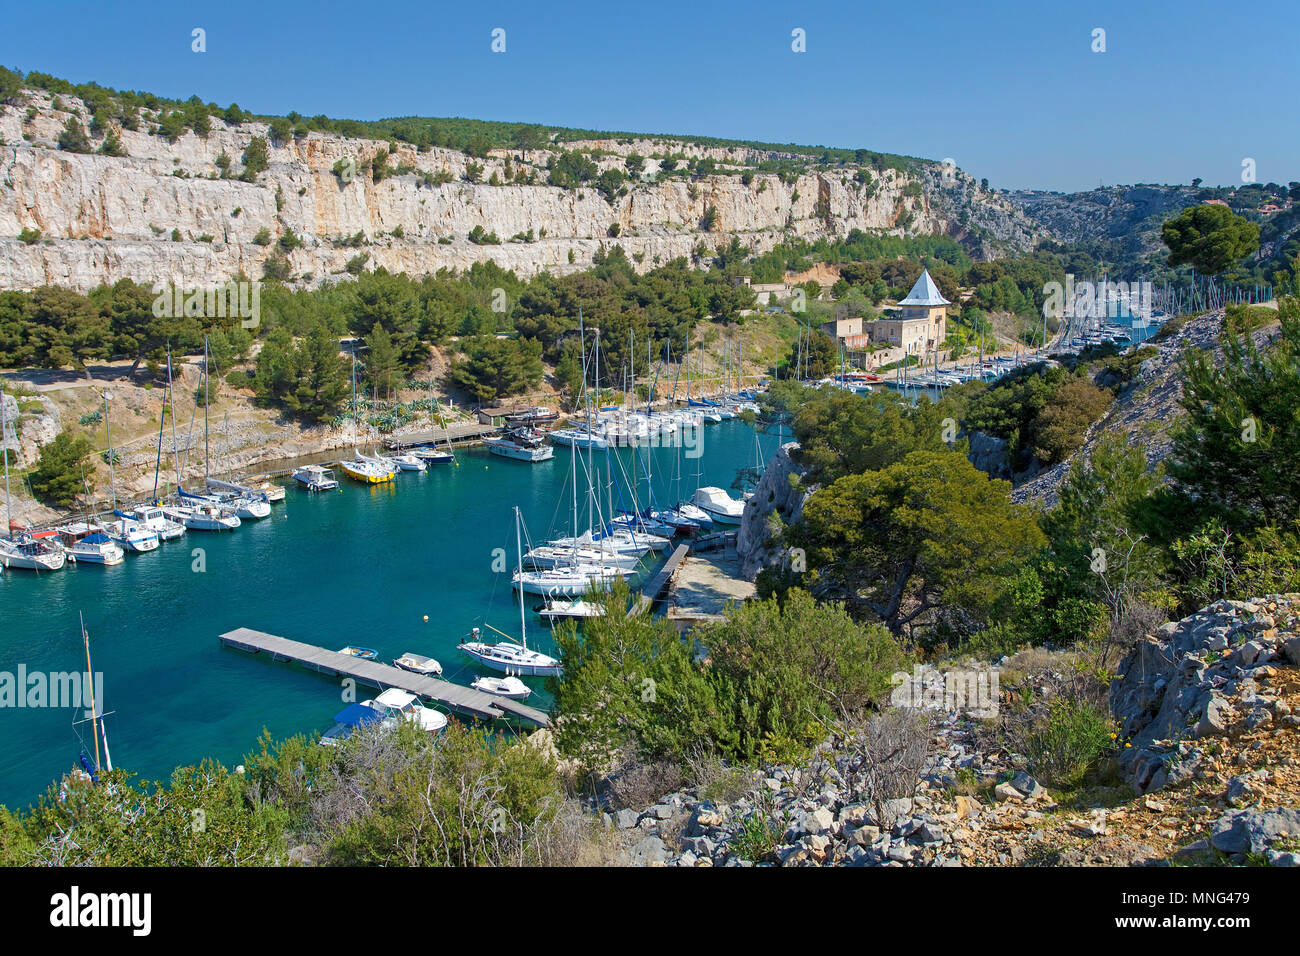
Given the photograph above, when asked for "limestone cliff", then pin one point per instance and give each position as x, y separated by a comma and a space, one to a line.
775, 495
164, 214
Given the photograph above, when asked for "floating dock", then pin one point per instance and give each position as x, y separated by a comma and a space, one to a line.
656, 585
442, 436
457, 697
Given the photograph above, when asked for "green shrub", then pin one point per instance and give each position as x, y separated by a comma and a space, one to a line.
1071, 742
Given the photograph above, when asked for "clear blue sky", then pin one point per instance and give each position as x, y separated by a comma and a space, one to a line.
1009, 89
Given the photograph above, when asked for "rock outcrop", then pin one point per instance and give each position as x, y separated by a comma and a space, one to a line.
1202, 678
777, 496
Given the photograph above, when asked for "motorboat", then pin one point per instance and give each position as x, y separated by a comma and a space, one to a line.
347, 721
396, 704
418, 664
152, 518
87, 545
38, 551
719, 505
315, 478
130, 534
521, 444
361, 653
511, 687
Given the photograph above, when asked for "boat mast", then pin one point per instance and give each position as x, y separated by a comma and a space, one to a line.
108, 432
519, 551
4, 450
96, 724
171, 400
205, 411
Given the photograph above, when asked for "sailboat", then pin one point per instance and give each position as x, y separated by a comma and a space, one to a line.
24, 550
125, 533
507, 656
200, 512
367, 470
96, 718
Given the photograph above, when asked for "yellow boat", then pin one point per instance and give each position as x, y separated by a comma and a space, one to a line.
366, 471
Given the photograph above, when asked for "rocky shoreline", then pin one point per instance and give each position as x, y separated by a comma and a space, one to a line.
1208, 753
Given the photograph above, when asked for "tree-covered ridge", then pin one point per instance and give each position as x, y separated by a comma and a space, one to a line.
474, 137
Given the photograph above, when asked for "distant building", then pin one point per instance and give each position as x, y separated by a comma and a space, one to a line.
922, 324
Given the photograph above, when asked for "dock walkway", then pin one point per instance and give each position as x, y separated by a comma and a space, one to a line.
457, 697
655, 586
441, 436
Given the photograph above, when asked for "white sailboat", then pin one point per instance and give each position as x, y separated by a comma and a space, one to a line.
362, 468
25, 549
126, 533
507, 656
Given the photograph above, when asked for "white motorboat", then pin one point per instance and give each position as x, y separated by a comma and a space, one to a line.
32, 552
130, 534
418, 664
719, 505
152, 518
87, 545
521, 444
397, 704
511, 687
315, 478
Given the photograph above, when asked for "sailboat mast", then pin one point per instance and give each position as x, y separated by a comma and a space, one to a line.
4, 450
171, 400
108, 432
519, 551
90, 682
205, 411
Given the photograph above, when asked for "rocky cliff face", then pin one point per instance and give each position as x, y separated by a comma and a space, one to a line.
103, 218
774, 495
1131, 215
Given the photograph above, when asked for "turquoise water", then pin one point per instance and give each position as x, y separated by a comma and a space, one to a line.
363, 565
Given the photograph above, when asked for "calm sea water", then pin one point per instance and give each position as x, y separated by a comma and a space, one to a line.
358, 566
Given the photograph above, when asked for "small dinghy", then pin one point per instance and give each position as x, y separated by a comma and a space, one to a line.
418, 664
364, 653
511, 687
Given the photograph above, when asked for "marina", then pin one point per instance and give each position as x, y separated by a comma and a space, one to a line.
407, 567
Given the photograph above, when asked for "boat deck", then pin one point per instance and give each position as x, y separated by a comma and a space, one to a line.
457, 697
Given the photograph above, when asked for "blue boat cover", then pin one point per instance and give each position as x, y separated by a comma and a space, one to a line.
357, 715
